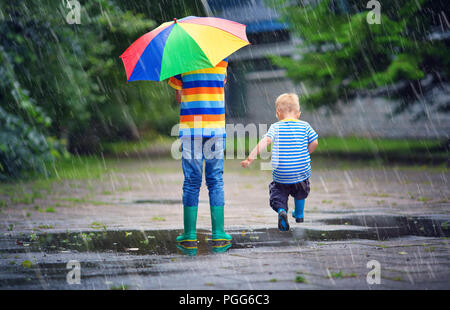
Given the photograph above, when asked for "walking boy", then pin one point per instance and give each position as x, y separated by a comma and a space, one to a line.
202, 134
293, 141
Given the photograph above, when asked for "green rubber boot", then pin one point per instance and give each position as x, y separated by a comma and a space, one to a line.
190, 251
189, 236
219, 237
221, 248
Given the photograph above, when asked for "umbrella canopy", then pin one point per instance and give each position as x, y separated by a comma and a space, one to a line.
183, 45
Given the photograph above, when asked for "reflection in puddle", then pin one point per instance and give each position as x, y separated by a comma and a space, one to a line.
397, 226
162, 242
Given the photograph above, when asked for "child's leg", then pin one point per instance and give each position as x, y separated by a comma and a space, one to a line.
298, 212
192, 169
279, 203
192, 164
213, 151
214, 162
300, 191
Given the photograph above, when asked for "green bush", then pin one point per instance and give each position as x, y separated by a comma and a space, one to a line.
343, 56
23, 149
66, 82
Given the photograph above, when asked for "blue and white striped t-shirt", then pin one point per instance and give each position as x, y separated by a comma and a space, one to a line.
290, 156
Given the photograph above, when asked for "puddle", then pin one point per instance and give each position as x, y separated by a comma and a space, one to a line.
159, 242
162, 242
98, 249
397, 226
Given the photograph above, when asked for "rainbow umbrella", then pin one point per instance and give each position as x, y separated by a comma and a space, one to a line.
183, 45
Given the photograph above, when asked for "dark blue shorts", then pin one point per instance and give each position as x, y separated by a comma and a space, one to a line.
279, 193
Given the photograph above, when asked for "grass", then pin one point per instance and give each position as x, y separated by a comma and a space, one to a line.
424, 199
377, 145
81, 167
27, 264
158, 219
341, 275
122, 287
97, 225
45, 226
38, 208
148, 140
362, 145
300, 279
23, 199
397, 278
383, 195
339, 153
372, 151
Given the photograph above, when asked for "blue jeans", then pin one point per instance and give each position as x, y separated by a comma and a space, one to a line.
194, 152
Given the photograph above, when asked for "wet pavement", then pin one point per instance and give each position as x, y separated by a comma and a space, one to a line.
150, 259
120, 231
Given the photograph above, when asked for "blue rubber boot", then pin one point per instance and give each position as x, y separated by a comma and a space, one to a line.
283, 223
298, 212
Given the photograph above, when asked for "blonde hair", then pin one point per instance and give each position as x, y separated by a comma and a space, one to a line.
287, 103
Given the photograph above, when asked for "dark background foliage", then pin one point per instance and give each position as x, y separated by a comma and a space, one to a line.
341, 55
63, 86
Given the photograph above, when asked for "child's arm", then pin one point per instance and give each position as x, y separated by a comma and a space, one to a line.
255, 152
312, 146
178, 95
176, 83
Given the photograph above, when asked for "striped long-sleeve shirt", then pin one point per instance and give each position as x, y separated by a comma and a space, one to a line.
291, 162
202, 111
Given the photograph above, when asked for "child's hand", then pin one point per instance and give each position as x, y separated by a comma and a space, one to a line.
245, 163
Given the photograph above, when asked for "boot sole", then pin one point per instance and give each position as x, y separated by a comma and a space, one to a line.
283, 224
297, 219
220, 243
221, 249
188, 244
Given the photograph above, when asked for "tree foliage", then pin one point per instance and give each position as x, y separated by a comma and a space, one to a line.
342, 55
64, 84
